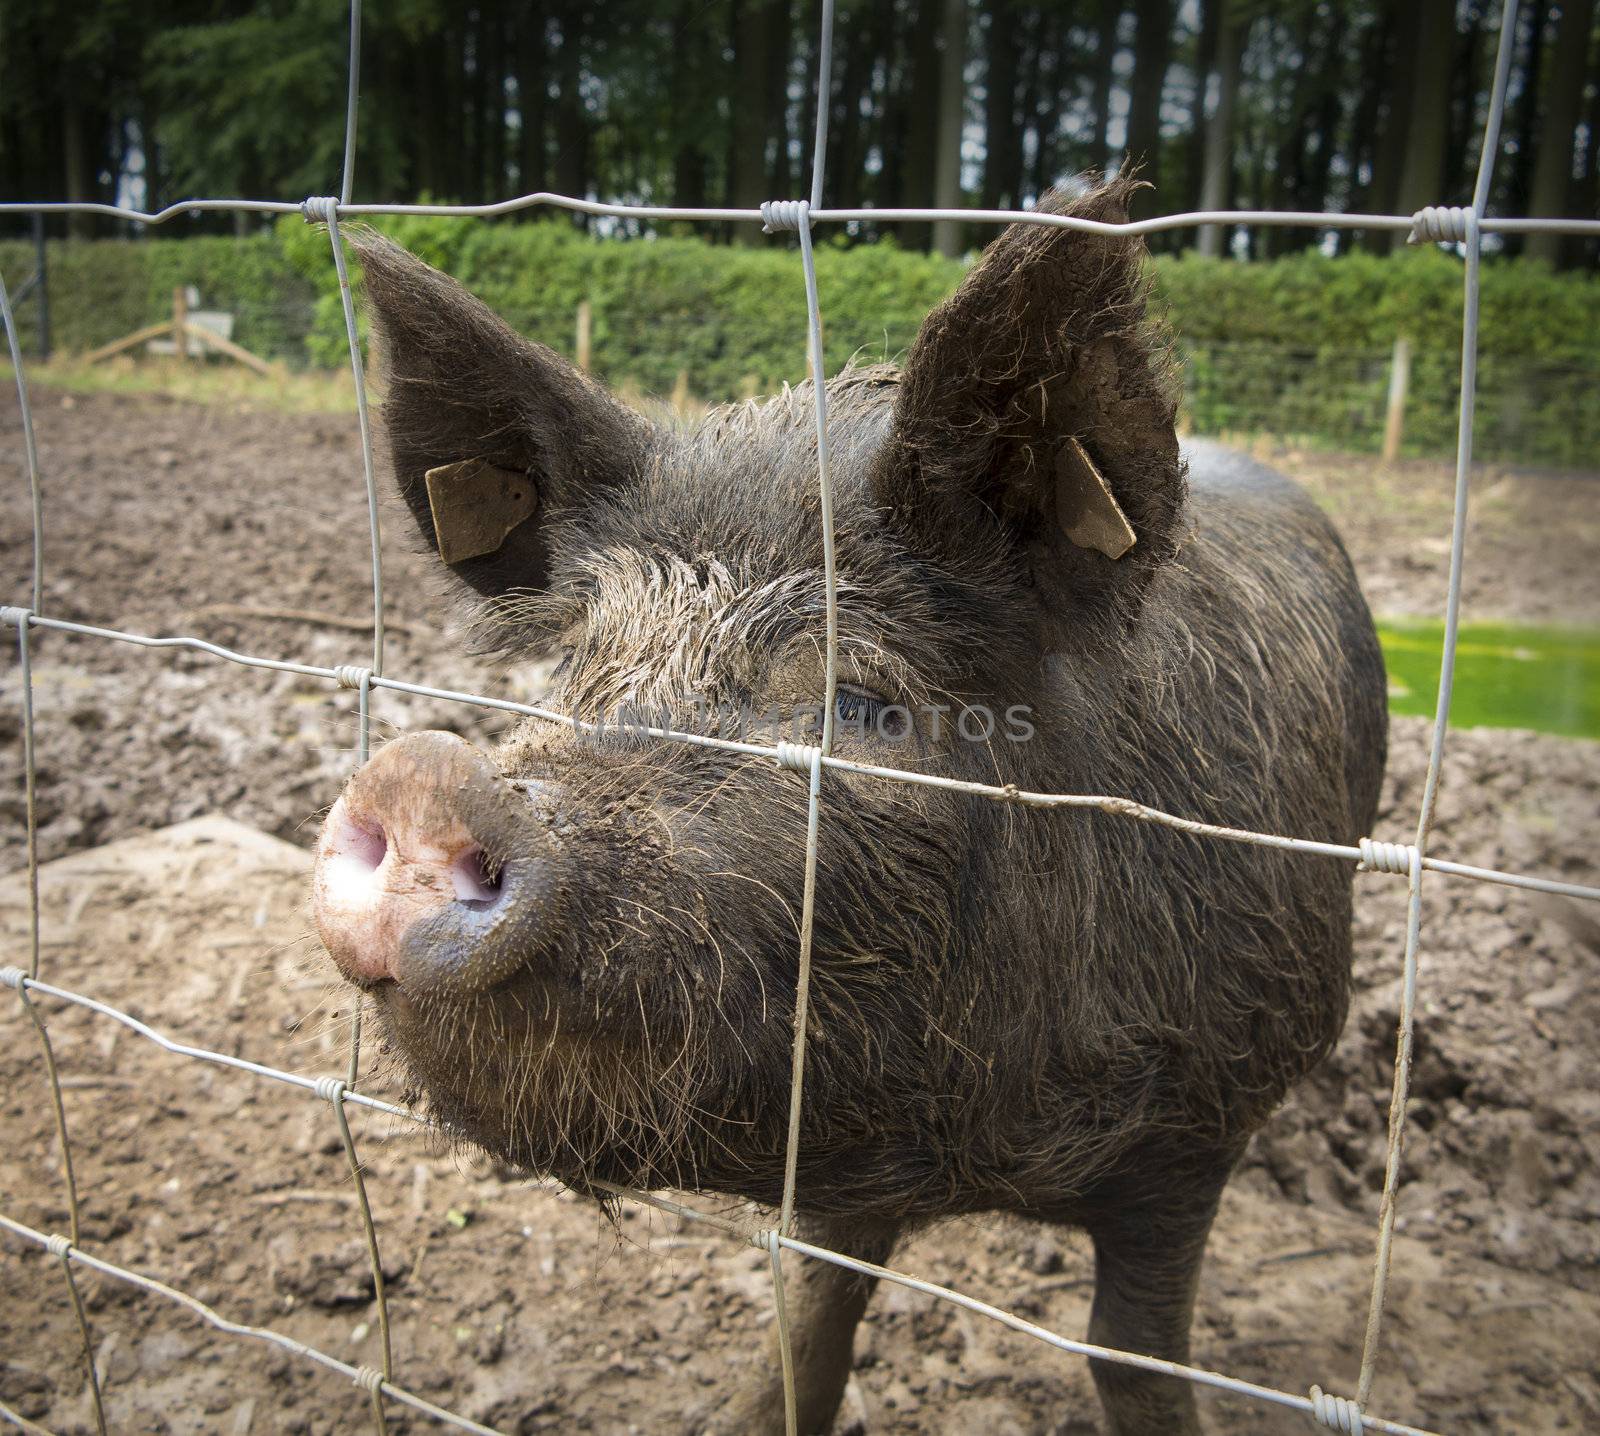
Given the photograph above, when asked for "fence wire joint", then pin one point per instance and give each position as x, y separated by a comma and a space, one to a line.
1399, 859
785, 214
1439, 224
1336, 1413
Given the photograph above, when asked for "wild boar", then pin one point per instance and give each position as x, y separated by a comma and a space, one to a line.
584, 947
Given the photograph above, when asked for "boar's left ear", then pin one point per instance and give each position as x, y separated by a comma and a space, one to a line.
1037, 397
495, 441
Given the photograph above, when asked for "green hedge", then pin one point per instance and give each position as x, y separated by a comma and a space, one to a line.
105, 288
1302, 346
1298, 346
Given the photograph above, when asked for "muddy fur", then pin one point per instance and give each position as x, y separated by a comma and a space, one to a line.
1063, 1014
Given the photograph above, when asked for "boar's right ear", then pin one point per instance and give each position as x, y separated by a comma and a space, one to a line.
1038, 399
494, 440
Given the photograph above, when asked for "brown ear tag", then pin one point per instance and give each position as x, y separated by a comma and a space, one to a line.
475, 505
1086, 509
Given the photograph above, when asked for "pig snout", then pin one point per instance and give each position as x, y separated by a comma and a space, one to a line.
432, 871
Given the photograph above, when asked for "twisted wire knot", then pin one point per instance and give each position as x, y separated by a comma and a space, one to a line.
785, 214
16, 617
1337, 1413
797, 757
330, 1089
761, 1240
12, 977
57, 1245
320, 207
368, 1379
1439, 224
1396, 858
351, 675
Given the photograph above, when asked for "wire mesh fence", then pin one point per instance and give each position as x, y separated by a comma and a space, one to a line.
1462, 228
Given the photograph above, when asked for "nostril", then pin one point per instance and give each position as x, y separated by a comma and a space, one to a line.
355, 851
367, 845
476, 878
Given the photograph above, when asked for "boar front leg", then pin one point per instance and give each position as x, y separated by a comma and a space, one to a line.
1148, 1254
824, 1302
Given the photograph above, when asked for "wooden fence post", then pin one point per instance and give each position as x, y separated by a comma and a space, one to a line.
585, 331
1394, 424
180, 323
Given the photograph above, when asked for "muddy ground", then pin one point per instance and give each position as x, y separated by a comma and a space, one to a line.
522, 1308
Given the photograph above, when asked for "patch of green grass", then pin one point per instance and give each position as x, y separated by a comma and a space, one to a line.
307, 391
1507, 676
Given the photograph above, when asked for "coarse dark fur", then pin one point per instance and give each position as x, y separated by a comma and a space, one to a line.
1062, 1014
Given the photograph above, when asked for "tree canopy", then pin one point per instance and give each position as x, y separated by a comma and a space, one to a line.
1312, 105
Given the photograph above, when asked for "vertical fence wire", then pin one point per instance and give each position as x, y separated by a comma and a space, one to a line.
332, 1091
801, 215
374, 536
30, 779
83, 1332
30, 448
347, 177
1405, 1035
364, 423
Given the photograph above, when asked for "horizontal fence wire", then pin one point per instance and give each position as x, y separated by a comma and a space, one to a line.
751, 1233
1372, 856
1460, 227
1161, 224
363, 1376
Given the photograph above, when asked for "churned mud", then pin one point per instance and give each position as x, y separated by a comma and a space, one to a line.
525, 1308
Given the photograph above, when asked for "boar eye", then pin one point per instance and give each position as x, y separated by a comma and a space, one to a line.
563, 665
860, 709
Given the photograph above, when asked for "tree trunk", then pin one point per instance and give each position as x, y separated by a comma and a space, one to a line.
1523, 121
778, 55
897, 103
572, 120
1105, 56
1032, 64
75, 155
532, 104
1360, 152
1002, 162
1582, 251
1552, 174
1425, 71
1294, 135
1152, 47
948, 236
1317, 166
1216, 180
754, 25
852, 80
1206, 43
691, 60
1466, 125
922, 123
1393, 129
477, 96
497, 105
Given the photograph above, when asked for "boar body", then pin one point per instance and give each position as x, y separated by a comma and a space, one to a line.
585, 948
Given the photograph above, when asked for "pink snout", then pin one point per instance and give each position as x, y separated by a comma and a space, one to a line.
431, 871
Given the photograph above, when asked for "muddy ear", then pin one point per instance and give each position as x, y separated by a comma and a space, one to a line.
494, 440
1038, 396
